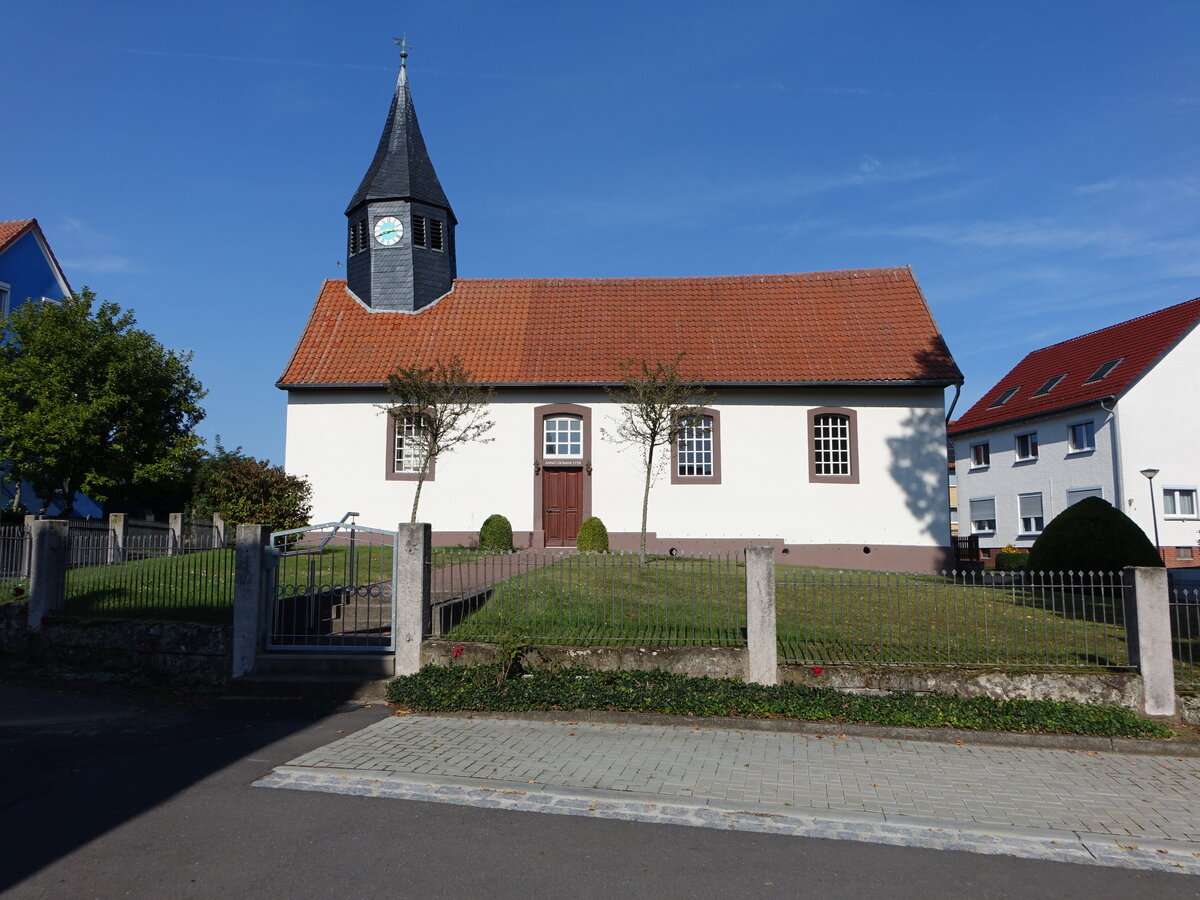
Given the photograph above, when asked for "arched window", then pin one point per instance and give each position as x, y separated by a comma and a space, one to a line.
833, 445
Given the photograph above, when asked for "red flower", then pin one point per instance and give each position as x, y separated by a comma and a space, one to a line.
18, 592
817, 670
458, 651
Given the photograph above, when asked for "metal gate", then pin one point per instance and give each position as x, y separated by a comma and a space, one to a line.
330, 588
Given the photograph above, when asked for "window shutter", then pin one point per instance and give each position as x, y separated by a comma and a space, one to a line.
1031, 505
983, 509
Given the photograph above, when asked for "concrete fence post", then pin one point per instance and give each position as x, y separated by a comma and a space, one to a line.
1148, 637
47, 569
117, 523
175, 534
218, 530
762, 654
249, 588
410, 594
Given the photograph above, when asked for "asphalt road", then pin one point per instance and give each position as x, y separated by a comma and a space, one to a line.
109, 793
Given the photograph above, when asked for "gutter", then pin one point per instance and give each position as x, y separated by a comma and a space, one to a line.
378, 386
954, 402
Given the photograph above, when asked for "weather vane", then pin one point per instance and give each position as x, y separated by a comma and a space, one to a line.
403, 43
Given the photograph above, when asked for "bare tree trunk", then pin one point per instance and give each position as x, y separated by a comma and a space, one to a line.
16, 504
68, 499
417, 496
646, 502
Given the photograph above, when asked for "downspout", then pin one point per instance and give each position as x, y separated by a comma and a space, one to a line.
954, 402
1116, 451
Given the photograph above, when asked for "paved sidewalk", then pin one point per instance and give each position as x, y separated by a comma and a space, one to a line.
1079, 806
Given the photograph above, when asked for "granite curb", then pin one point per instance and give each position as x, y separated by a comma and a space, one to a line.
767, 818
1129, 746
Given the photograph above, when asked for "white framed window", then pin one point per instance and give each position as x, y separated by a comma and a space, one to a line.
983, 516
1179, 503
1074, 495
562, 437
1030, 509
831, 444
694, 455
981, 455
407, 448
5, 299
1027, 446
1081, 436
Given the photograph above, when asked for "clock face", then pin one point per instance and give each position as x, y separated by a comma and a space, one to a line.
389, 230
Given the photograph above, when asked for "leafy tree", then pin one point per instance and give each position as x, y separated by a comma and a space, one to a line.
655, 403
90, 403
448, 408
242, 489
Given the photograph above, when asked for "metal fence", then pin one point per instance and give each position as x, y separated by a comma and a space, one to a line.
601, 599
145, 576
14, 560
972, 618
1185, 632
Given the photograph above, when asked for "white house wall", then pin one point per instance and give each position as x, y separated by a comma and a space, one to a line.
1055, 472
1160, 428
338, 440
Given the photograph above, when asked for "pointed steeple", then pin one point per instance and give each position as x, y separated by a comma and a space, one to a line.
400, 241
401, 169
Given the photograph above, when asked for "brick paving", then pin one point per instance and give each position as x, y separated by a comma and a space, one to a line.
1087, 806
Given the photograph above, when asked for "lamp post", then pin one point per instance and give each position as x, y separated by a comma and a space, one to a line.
1150, 473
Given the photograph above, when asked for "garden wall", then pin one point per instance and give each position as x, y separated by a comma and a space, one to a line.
185, 654
14, 632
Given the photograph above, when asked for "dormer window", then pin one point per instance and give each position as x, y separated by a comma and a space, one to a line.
1004, 398
435, 235
1105, 370
418, 231
1051, 384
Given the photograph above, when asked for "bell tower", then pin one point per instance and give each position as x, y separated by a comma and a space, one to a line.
400, 235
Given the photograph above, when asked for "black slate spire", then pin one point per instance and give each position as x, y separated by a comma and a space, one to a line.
400, 242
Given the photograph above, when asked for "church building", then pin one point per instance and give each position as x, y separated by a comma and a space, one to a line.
825, 439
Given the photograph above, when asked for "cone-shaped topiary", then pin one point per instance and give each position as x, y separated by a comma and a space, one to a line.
593, 536
496, 534
1091, 536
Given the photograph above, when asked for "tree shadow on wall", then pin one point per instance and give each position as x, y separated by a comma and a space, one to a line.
918, 461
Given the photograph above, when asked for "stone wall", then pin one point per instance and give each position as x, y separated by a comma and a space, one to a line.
716, 662
14, 631
185, 654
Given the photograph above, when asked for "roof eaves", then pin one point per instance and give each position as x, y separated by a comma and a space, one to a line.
375, 385
1027, 417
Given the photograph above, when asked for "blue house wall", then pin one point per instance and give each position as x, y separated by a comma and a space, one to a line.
26, 271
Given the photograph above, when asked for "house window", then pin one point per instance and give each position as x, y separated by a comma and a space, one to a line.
5, 298
833, 445
405, 449
1183, 554
418, 231
1077, 494
696, 451
1179, 503
1105, 370
562, 437
1030, 506
1004, 398
1081, 437
1051, 384
981, 455
983, 516
1027, 446
435, 235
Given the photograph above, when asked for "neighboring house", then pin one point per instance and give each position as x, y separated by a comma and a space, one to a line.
826, 439
29, 272
1085, 418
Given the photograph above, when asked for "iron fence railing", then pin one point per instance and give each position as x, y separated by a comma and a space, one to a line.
971, 618
14, 559
602, 599
1184, 606
145, 576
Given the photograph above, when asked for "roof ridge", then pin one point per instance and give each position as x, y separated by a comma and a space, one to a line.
1080, 337
813, 276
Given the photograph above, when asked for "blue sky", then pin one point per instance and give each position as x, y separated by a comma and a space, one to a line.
1035, 163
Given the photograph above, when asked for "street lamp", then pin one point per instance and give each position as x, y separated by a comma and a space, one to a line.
1150, 473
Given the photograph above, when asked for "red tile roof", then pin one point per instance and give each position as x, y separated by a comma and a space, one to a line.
1138, 343
10, 231
870, 325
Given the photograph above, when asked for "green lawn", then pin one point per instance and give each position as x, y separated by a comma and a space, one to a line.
195, 587
825, 617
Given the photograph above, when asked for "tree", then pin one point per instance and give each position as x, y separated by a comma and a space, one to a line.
436, 409
656, 405
242, 489
90, 403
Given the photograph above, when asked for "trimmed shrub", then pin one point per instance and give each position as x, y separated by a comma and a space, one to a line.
496, 534
1092, 536
593, 536
1010, 559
